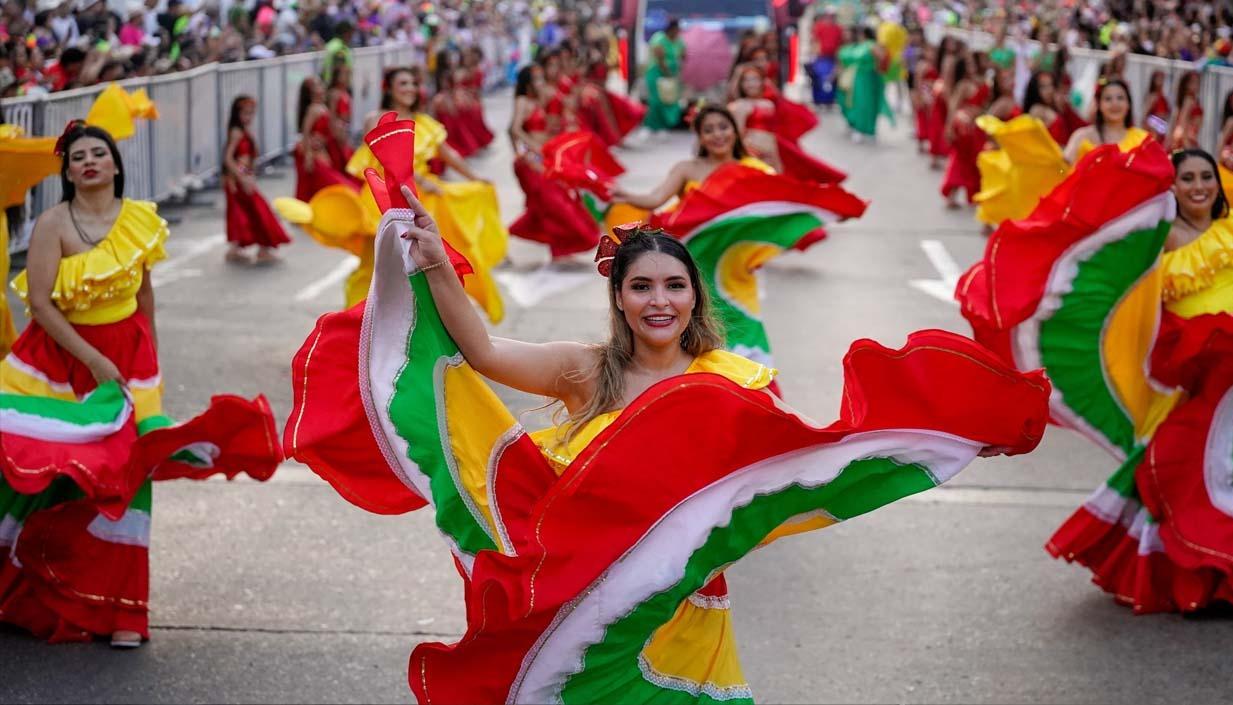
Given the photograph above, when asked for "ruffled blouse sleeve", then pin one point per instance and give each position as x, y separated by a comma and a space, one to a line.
1192, 267
113, 269
738, 369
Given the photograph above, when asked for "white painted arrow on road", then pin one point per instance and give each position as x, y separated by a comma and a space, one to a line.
942, 288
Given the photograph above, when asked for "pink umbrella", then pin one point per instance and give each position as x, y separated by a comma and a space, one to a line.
708, 56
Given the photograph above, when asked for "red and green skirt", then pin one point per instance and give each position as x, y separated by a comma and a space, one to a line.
78, 460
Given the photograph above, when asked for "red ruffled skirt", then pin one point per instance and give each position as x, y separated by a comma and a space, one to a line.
799, 164
938, 115
75, 514
472, 117
250, 220
554, 215
459, 134
962, 171
323, 173
626, 114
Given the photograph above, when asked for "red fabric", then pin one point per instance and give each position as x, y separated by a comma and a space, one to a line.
129, 345
734, 185
627, 114
338, 152
793, 119
827, 38
328, 429
939, 113
248, 216
762, 117
309, 182
1004, 288
939, 381
537, 121
553, 215
71, 585
392, 142
961, 169
472, 118
800, 165
459, 134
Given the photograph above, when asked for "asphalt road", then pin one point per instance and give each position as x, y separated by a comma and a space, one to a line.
282, 592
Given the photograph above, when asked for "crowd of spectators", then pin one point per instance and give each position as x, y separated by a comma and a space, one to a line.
1186, 30
53, 45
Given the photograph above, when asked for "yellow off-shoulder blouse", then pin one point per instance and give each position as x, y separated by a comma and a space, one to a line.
1198, 276
741, 370
100, 285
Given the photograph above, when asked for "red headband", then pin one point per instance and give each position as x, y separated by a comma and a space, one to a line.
61, 145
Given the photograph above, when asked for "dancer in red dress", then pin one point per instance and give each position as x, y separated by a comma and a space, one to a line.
1040, 101
1159, 112
554, 214
926, 73
249, 218
1188, 120
448, 107
318, 148
81, 407
469, 95
760, 119
968, 97
338, 100
609, 115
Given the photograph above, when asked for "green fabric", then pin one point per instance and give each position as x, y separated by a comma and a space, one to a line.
333, 48
661, 115
103, 407
865, 99
743, 331
1070, 340
611, 671
417, 410
1003, 57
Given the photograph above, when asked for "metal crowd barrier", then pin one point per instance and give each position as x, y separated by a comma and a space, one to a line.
1215, 82
183, 148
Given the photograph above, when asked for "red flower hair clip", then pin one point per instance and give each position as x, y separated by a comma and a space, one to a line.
60, 143
610, 243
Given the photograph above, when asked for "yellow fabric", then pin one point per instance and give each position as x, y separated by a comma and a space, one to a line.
339, 217
100, 285
697, 644
1198, 276
466, 213
672, 652
355, 288
743, 371
467, 216
1134, 137
472, 435
24, 161
147, 394
1226, 182
116, 110
736, 274
7, 332
469, 220
1126, 342
1013, 178
429, 136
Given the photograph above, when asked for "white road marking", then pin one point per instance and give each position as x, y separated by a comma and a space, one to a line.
175, 275
535, 286
165, 272
948, 271
334, 276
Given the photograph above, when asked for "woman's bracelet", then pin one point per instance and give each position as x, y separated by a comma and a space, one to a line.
434, 265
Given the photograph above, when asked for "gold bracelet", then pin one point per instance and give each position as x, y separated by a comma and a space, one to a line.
434, 265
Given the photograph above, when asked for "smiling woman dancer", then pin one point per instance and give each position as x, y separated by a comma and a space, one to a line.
1113, 123
75, 496
572, 611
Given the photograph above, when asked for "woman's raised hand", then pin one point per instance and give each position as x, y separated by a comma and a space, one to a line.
426, 246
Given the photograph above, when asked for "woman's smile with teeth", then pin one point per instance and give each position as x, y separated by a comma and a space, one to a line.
660, 319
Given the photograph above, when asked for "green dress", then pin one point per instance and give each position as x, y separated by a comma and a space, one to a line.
661, 115
862, 89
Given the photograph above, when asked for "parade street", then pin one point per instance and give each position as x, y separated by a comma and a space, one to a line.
283, 592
